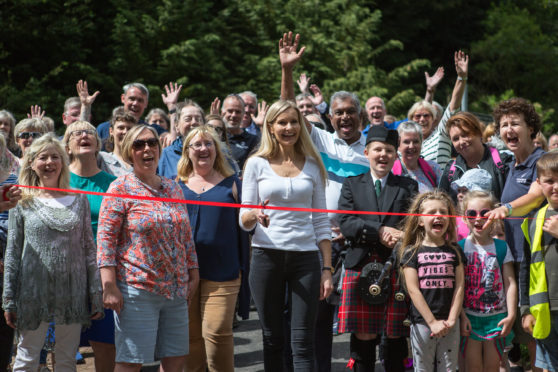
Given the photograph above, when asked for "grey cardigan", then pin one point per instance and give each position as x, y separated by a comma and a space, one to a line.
50, 270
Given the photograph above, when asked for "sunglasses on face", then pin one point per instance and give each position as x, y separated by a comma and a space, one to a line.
418, 116
26, 135
140, 144
472, 213
80, 132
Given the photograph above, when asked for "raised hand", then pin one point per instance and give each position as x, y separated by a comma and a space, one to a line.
303, 82
288, 55
36, 112
215, 107
433, 81
262, 110
461, 64
317, 97
83, 93
172, 93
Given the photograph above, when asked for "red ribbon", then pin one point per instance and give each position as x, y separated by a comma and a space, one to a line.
236, 205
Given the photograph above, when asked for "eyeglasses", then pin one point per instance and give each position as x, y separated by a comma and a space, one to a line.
198, 145
418, 116
26, 135
472, 213
80, 132
140, 144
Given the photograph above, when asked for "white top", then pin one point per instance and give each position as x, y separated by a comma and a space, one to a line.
437, 147
341, 160
287, 230
60, 202
484, 283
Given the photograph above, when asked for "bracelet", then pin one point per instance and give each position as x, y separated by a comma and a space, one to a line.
328, 268
509, 207
462, 78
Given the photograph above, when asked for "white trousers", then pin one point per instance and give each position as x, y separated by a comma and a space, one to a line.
30, 344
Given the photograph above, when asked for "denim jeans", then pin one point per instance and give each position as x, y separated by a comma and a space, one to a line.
272, 272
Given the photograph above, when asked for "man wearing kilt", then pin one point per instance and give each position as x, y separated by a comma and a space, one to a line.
372, 239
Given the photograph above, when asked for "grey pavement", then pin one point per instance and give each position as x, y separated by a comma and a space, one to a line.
248, 354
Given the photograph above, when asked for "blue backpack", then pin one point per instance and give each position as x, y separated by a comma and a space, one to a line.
501, 249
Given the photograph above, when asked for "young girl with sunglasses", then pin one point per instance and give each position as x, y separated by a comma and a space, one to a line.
490, 289
432, 268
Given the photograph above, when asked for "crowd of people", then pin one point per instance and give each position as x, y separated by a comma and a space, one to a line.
441, 232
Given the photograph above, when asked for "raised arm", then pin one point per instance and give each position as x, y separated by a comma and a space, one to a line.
289, 57
85, 99
303, 83
170, 99
36, 112
462, 68
432, 82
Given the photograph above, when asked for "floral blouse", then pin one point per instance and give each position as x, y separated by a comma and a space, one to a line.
149, 242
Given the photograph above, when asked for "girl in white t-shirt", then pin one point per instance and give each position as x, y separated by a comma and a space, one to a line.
490, 301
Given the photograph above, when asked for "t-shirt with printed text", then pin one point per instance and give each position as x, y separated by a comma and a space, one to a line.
436, 276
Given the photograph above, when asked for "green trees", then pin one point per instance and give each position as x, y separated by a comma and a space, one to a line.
217, 47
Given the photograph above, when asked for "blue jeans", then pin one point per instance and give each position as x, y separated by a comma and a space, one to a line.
272, 272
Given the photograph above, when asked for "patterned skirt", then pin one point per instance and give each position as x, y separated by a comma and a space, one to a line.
357, 316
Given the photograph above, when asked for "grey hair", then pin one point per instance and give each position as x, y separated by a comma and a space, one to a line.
35, 124
409, 127
140, 86
249, 93
343, 95
302, 96
71, 102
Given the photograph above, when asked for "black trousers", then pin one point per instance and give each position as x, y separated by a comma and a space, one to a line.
275, 274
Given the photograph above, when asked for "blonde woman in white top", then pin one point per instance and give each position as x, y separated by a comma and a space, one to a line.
287, 171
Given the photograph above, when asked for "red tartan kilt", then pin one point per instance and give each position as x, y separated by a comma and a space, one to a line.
357, 316
396, 312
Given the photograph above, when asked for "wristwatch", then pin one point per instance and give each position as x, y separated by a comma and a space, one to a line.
509, 208
328, 268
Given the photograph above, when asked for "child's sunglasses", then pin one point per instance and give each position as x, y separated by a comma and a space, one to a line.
472, 213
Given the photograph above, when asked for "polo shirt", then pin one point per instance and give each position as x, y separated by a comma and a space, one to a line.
393, 125
341, 160
520, 178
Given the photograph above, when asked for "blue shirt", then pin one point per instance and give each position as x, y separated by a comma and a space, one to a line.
216, 231
393, 125
520, 178
168, 162
103, 129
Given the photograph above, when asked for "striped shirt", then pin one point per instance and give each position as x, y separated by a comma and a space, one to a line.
341, 160
437, 147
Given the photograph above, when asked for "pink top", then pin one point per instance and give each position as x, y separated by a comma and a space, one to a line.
462, 228
149, 242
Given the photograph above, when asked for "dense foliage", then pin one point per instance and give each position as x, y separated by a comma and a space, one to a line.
217, 47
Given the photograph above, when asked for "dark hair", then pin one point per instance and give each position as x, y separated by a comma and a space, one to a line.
518, 106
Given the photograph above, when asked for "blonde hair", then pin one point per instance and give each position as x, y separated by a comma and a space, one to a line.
78, 125
548, 163
35, 124
419, 106
414, 234
10, 140
186, 167
478, 194
131, 136
28, 177
269, 148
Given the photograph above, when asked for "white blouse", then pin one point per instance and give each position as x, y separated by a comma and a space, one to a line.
287, 230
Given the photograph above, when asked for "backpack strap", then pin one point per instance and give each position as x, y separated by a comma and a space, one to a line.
397, 169
496, 159
501, 250
428, 172
451, 172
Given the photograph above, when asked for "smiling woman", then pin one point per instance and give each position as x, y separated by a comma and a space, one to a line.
465, 132
147, 259
50, 270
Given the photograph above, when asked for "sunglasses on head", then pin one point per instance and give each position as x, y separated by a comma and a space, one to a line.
26, 135
472, 213
140, 144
